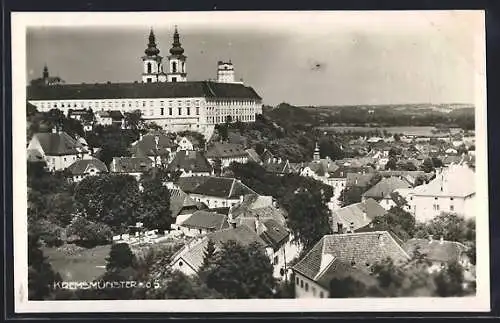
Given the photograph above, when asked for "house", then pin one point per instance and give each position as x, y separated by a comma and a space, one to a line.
156, 146
253, 156
187, 143
398, 198
58, 149
452, 190
134, 166
215, 192
320, 169
353, 217
82, 168
226, 153
341, 256
438, 252
359, 180
264, 215
190, 163
384, 188
182, 206
412, 177
189, 258
203, 222
277, 166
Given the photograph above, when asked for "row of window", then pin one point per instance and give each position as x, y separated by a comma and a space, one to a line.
436, 207
305, 286
179, 110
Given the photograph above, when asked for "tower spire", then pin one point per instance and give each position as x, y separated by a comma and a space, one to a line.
152, 50
45, 71
176, 45
316, 155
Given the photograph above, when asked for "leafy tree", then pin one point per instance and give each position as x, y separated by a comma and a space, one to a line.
217, 166
308, 217
351, 195
181, 286
223, 131
90, 233
120, 257
391, 164
450, 226
328, 147
41, 276
397, 137
242, 272
209, 255
155, 210
397, 220
133, 120
110, 199
347, 287
449, 281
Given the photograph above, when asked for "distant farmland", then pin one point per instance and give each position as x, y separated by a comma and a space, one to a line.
408, 131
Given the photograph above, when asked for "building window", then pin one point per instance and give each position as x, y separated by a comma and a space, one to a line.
307, 287
174, 67
162, 103
149, 80
301, 283
180, 111
275, 262
452, 208
321, 295
174, 79
297, 280
188, 109
314, 291
169, 111
180, 263
149, 68
162, 111
451, 198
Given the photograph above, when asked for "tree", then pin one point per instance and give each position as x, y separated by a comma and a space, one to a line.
181, 286
347, 287
351, 195
308, 216
397, 137
242, 272
110, 199
209, 255
398, 221
450, 226
41, 276
391, 164
133, 120
449, 281
155, 210
89, 233
217, 166
120, 257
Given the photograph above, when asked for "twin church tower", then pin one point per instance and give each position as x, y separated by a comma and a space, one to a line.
154, 71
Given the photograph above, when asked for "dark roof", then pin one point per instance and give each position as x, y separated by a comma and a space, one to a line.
131, 164
282, 167
146, 146
385, 187
80, 166
358, 215
186, 160
58, 144
142, 91
361, 180
274, 233
214, 186
206, 220
226, 150
179, 200
252, 154
435, 250
360, 250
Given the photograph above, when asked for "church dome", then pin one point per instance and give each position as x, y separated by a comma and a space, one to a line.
176, 45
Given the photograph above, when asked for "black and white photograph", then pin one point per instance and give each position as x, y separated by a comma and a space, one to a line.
250, 161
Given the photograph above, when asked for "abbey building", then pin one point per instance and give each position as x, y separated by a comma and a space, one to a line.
164, 94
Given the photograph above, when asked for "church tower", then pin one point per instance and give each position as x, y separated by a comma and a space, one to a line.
316, 156
152, 66
177, 61
45, 75
225, 72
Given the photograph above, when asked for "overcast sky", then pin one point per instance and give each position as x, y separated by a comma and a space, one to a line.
302, 59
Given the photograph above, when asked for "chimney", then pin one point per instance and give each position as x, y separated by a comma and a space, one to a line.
351, 227
187, 152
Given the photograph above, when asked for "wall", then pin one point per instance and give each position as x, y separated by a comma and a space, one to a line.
182, 266
214, 202
423, 206
306, 288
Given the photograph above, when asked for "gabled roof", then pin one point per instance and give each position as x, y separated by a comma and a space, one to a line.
385, 187
282, 167
358, 215
323, 167
146, 146
81, 166
131, 164
58, 144
362, 180
142, 91
194, 253
253, 156
360, 250
436, 250
193, 161
180, 200
274, 233
214, 186
206, 220
225, 150
454, 181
